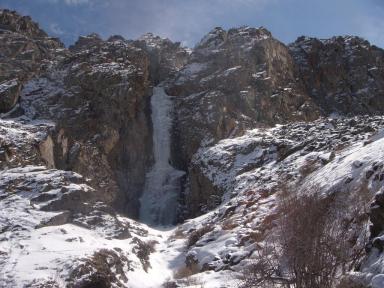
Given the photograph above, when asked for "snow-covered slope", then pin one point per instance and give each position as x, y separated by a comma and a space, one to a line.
44, 243
342, 157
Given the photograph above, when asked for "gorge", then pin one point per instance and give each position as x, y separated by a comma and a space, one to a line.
162, 189
143, 163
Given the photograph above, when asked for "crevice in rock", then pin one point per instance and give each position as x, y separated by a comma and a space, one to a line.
162, 188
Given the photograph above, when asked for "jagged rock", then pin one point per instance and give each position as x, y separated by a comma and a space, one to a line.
341, 74
25, 50
10, 20
101, 114
243, 77
9, 94
165, 56
376, 215
242, 155
116, 38
106, 268
19, 142
233, 80
251, 192
85, 42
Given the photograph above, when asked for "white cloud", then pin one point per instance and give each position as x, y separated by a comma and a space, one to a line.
373, 30
55, 29
69, 2
76, 2
186, 21
371, 25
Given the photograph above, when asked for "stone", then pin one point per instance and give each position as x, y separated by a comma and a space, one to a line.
9, 94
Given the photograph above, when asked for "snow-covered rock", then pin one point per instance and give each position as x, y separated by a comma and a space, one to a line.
90, 137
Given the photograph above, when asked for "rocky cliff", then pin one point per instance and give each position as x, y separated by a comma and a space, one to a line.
245, 78
25, 51
342, 75
245, 120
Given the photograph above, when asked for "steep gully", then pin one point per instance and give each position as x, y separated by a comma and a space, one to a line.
159, 199
158, 203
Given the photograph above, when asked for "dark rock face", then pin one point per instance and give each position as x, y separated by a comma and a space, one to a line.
166, 57
12, 21
235, 79
377, 217
24, 52
9, 94
245, 78
341, 74
98, 95
117, 92
85, 42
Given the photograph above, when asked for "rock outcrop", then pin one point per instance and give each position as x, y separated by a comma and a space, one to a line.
245, 78
9, 94
165, 57
24, 51
98, 97
233, 80
342, 75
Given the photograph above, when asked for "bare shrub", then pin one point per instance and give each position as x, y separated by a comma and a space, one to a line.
310, 164
312, 240
348, 282
178, 234
229, 224
197, 234
192, 282
308, 249
152, 245
169, 284
358, 221
265, 271
187, 271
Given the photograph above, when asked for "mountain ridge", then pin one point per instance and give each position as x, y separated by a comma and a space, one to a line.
249, 119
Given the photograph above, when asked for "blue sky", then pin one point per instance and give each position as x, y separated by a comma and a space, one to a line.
188, 20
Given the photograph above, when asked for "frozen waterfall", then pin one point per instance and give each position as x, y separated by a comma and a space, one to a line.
158, 203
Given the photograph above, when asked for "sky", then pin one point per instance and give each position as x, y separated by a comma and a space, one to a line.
187, 21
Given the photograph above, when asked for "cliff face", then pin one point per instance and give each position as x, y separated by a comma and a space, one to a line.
341, 74
245, 78
25, 50
165, 57
235, 79
246, 114
97, 94
232, 80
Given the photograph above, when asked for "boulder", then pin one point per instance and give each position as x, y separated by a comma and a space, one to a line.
9, 94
